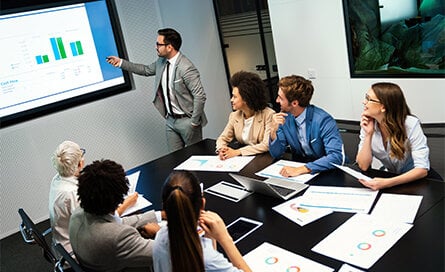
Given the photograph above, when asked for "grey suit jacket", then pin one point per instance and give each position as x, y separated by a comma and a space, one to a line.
258, 135
186, 86
102, 243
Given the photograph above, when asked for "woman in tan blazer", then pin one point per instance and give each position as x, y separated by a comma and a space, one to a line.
249, 124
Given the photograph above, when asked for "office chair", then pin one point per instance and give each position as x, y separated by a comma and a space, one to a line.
66, 258
432, 174
31, 235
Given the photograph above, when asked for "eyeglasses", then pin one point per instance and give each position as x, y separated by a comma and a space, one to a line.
161, 44
369, 99
83, 150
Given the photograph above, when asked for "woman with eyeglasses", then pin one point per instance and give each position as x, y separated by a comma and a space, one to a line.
68, 160
180, 246
391, 134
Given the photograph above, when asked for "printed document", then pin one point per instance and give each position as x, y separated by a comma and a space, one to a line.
362, 240
352, 172
271, 258
214, 163
293, 210
399, 208
141, 202
339, 199
273, 171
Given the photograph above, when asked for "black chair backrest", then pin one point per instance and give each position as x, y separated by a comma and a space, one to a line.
31, 235
66, 257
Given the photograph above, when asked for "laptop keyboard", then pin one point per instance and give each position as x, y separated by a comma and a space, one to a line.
281, 190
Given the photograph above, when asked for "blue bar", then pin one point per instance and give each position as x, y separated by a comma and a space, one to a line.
39, 59
55, 48
73, 49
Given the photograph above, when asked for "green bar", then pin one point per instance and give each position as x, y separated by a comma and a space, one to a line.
79, 48
45, 58
61, 48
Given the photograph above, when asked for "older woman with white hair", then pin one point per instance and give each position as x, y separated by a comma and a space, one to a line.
68, 160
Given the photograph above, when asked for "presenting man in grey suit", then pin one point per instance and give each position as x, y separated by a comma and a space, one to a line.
101, 240
179, 95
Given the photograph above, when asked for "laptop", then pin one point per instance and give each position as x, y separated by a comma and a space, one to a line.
272, 187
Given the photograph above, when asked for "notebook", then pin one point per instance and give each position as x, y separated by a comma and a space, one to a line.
272, 187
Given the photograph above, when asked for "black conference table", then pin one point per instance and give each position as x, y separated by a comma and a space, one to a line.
421, 249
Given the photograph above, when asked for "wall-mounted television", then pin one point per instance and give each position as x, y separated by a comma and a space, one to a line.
395, 38
53, 56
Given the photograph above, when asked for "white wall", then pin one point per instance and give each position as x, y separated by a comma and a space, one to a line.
310, 34
126, 127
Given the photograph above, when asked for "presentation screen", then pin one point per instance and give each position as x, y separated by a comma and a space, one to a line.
53, 57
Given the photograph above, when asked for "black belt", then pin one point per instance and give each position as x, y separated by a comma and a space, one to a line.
177, 116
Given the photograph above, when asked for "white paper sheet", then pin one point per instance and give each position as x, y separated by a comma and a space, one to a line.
399, 208
213, 163
352, 172
348, 268
362, 240
228, 191
339, 199
271, 258
273, 171
133, 181
293, 210
141, 203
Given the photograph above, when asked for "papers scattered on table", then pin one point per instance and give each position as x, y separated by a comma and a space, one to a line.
273, 171
352, 172
362, 240
228, 191
399, 208
339, 199
133, 182
293, 210
141, 203
348, 268
268, 257
213, 163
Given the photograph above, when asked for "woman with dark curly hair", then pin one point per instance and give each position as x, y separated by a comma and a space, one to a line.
101, 240
249, 124
391, 134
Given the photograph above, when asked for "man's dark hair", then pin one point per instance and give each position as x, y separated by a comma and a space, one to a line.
171, 36
102, 186
252, 89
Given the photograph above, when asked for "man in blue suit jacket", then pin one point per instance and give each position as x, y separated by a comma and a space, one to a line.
310, 132
179, 95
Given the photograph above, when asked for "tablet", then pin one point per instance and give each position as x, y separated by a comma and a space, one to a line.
242, 227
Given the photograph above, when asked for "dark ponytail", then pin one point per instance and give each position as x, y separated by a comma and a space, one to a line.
182, 201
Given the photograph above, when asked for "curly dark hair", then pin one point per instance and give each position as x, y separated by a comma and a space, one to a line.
102, 186
251, 88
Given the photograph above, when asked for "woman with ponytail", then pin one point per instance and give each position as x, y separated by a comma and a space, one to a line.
392, 135
179, 246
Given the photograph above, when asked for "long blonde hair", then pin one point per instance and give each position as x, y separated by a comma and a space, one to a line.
396, 111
